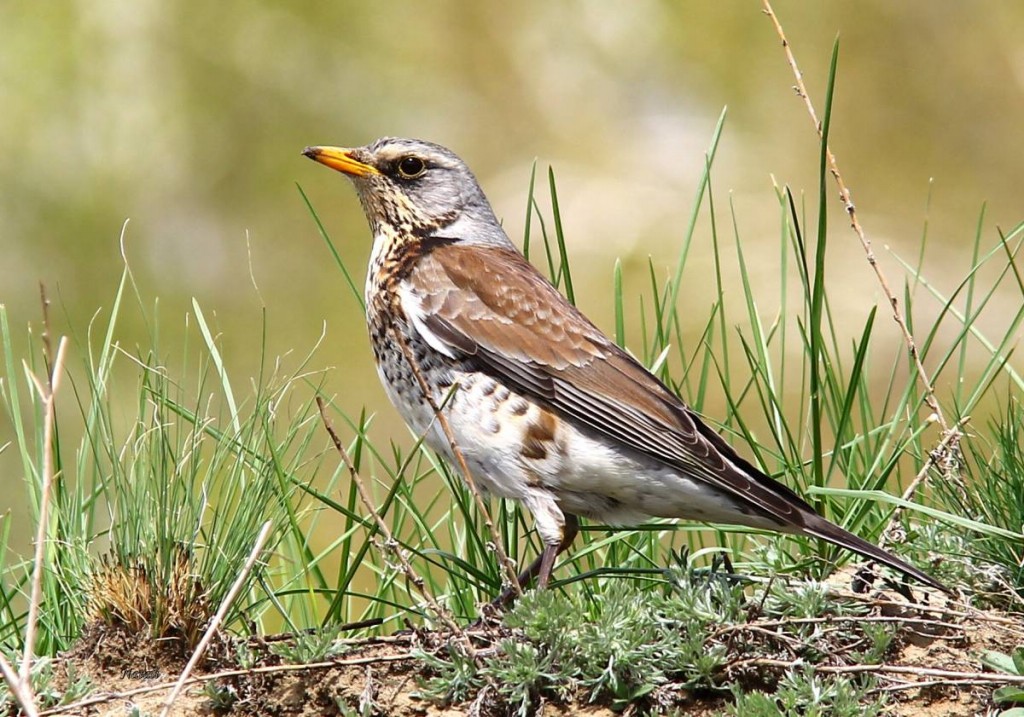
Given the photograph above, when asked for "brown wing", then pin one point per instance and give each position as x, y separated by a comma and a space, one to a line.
490, 304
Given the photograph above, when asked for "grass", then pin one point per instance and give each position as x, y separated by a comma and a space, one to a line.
635, 646
155, 508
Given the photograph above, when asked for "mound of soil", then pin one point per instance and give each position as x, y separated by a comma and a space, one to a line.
934, 669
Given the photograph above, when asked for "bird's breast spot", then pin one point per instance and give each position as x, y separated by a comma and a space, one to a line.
519, 407
539, 438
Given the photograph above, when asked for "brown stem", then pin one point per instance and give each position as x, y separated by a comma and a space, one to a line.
949, 435
390, 544
506, 563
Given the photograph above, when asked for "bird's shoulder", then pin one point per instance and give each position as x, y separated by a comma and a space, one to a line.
494, 298
491, 303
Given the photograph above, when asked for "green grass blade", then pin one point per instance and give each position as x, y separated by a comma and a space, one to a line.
564, 271
530, 204
218, 363
334, 251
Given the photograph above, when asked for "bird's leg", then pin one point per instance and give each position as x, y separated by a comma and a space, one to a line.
542, 566
550, 552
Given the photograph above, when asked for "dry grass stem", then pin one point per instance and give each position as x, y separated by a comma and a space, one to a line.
511, 574
390, 543
18, 689
844, 194
939, 454
915, 670
47, 393
837, 619
950, 436
218, 618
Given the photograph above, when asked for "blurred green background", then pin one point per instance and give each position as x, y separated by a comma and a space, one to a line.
188, 118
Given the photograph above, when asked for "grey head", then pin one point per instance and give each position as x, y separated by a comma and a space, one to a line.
414, 188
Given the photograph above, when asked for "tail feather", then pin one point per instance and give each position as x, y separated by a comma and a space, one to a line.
818, 527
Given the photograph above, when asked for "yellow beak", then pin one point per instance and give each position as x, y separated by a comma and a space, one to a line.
341, 159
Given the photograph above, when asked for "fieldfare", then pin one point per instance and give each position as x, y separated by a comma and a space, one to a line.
547, 410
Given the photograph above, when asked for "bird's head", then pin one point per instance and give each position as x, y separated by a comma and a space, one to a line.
409, 187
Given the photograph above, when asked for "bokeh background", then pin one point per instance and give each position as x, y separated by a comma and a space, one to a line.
188, 118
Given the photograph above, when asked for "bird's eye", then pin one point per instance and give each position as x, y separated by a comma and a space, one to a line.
411, 167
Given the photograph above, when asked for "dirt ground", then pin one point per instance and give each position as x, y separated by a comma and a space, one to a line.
935, 671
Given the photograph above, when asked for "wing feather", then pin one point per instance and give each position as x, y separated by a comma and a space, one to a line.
490, 305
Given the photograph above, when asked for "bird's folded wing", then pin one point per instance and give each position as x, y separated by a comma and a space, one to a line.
490, 304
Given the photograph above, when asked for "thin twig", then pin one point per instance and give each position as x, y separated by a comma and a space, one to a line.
949, 437
974, 677
225, 605
764, 624
1009, 624
912, 685
46, 393
44, 301
389, 540
347, 627
213, 676
21, 695
844, 195
947, 609
509, 567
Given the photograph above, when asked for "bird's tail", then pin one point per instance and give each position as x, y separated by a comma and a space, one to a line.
818, 527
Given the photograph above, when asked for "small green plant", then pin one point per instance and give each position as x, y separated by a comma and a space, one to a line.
879, 637
803, 693
455, 677
245, 657
307, 646
42, 680
78, 686
220, 698
523, 672
1009, 665
801, 599
362, 709
704, 596
619, 645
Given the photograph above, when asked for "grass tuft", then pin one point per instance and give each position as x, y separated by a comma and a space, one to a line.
992, 494
132, 598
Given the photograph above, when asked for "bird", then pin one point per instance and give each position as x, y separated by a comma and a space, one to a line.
544, 408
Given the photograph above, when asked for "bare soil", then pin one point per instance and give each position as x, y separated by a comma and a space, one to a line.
381, 676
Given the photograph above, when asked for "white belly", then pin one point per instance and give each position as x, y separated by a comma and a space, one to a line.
580, 472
